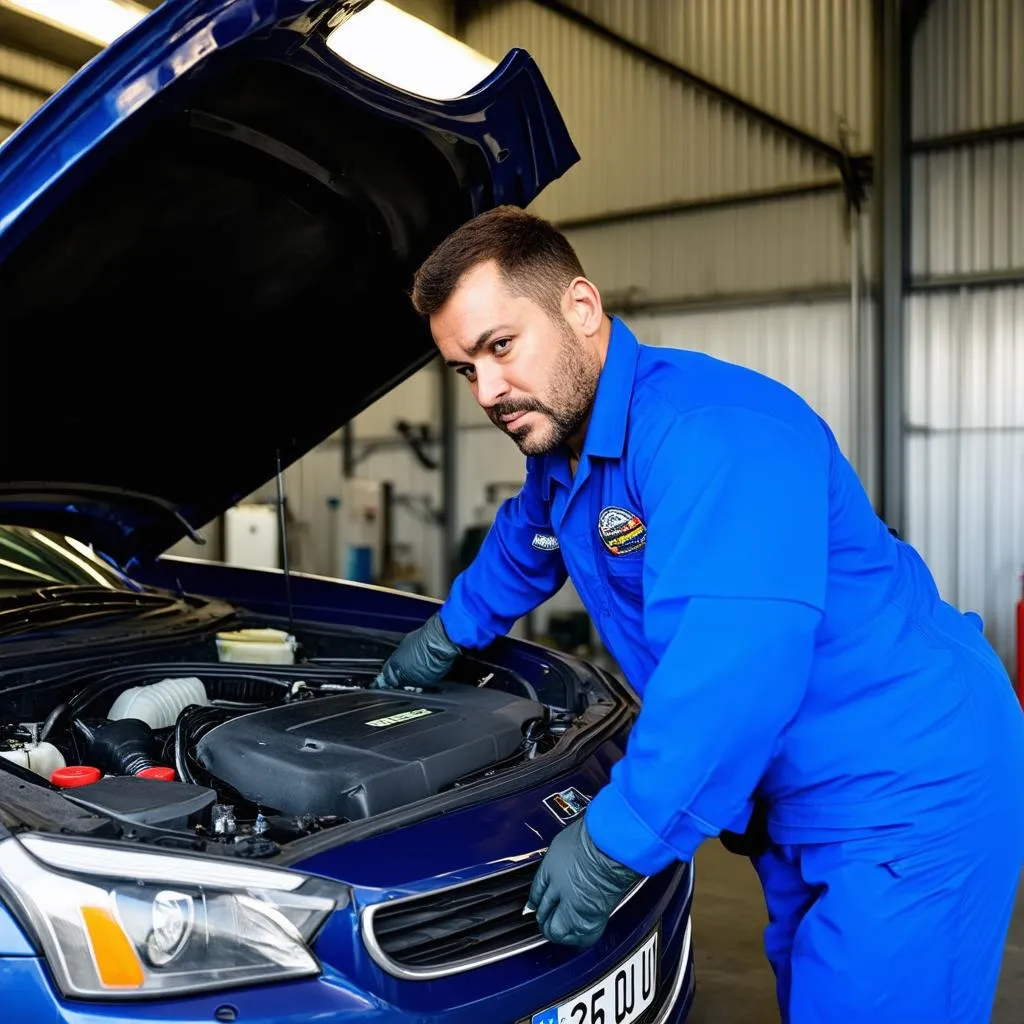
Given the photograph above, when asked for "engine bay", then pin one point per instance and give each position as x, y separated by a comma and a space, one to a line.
233, 749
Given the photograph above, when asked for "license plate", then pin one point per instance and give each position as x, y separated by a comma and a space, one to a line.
620, 997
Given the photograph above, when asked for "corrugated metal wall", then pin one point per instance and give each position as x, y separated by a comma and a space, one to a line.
807, 61
647, 138
967, 72
795, 245
967, 209
25, 83
644, 136
965, 369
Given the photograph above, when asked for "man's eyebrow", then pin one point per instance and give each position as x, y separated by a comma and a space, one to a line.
478, 344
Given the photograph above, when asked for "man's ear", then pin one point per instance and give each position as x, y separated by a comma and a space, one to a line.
582, 306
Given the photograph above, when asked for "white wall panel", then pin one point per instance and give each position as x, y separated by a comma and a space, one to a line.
968, 209
965, 455
644, 136
786, 245
967, 67
806, 61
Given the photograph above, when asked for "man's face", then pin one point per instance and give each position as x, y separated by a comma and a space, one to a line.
529, 371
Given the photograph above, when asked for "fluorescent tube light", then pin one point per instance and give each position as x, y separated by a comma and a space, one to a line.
411, 54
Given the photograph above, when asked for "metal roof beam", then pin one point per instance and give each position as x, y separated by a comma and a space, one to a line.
756, 113
675, 207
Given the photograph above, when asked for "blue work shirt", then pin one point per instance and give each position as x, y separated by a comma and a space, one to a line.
783, 642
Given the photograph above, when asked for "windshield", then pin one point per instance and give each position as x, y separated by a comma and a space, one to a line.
31, 558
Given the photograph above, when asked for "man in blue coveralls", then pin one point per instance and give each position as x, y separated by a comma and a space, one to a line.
790, 652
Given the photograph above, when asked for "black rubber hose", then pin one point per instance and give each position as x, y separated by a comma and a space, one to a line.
122, 747
51, 720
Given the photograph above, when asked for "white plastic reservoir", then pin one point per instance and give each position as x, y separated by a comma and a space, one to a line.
257, 646
41, 758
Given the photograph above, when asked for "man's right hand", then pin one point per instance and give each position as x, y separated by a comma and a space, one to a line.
423, 657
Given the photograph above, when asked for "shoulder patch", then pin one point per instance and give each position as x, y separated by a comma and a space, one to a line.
621, 531
545, 542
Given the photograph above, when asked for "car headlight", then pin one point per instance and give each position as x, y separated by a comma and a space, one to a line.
118, 923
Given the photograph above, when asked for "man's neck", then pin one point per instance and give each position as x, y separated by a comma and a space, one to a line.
576, 442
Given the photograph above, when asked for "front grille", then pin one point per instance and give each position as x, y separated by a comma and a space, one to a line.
473, 921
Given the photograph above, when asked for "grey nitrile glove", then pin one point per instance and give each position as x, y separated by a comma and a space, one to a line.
423, 657
577, 887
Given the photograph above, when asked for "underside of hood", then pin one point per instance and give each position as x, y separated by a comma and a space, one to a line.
204, 264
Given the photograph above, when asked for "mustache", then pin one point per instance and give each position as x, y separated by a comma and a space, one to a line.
516, 405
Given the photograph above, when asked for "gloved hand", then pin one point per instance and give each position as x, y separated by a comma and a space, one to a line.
577, 887
423, 657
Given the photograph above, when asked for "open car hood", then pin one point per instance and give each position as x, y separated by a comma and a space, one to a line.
206, 244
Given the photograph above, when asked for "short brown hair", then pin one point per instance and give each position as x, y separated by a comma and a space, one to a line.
534, 258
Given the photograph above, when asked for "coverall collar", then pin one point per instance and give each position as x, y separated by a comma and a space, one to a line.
606, 433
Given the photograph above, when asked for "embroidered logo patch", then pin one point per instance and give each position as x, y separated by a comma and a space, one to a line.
544, 542
621, 531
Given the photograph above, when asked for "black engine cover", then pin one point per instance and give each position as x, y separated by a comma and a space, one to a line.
362, 753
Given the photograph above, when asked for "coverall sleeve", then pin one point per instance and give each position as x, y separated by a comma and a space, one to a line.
518, 567
735, 568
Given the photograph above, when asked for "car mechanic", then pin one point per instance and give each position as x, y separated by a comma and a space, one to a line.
795, 663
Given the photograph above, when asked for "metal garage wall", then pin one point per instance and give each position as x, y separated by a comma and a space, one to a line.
965, 449
644, 137
807, 61
789, 246
965, 318
25, 83
967, 72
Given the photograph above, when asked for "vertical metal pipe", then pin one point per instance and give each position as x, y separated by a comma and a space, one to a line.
891, 183
449, 475
348, 458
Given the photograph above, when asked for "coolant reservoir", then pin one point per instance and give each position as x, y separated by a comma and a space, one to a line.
41, 758
257, 646
159, 704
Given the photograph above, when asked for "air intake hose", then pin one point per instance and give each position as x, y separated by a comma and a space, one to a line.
122, 747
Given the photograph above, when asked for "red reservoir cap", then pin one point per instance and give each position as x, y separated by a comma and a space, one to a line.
75, 775
157, 772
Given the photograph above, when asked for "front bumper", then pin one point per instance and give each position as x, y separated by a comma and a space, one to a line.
29, 995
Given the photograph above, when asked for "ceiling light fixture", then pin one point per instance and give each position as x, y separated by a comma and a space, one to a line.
408, 53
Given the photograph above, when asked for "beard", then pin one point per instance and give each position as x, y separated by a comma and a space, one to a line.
566, 405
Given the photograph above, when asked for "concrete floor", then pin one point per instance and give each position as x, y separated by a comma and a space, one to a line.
734, 981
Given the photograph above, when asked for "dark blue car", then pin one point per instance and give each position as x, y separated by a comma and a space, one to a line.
206, 241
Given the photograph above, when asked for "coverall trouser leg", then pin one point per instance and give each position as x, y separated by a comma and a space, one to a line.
871, 931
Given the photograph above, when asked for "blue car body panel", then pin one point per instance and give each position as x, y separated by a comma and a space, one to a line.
244, 95
513, 144
509, 116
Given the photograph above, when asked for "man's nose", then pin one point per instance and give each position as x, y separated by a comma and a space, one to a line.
490, 386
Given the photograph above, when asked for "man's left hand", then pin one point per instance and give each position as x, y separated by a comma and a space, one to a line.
577, 887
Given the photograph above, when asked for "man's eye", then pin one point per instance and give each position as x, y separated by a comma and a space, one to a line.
501, 345
466, 371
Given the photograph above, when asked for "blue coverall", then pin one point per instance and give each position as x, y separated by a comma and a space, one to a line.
785, 644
